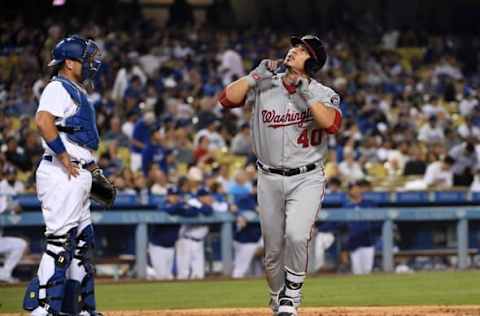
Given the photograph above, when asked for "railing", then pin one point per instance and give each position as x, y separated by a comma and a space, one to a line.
141, 218
331, 199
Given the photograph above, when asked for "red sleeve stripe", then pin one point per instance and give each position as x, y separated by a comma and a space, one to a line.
337, 122
226, 103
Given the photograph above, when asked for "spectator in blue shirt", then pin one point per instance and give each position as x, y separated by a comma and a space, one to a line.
155, 153
140, 138
240, 187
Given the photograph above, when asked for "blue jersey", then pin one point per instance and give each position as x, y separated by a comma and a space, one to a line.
167, 235
361, 233
251, 233
154, 154
141, 132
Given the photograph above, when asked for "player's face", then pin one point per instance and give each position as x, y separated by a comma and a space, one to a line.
73, 68
77, 70
296, 57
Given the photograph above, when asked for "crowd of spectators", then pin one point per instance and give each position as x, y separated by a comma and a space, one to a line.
409, 101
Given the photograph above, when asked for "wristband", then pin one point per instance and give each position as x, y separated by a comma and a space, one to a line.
57, 146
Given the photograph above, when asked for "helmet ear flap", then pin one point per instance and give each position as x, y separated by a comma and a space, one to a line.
311, 66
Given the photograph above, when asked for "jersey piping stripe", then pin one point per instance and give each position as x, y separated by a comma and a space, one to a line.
311, 228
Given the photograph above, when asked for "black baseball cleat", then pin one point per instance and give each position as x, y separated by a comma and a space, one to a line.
286, 307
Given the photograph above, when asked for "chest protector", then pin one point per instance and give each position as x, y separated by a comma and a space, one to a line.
81, 127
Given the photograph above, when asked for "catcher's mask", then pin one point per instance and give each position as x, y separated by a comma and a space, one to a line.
77, 48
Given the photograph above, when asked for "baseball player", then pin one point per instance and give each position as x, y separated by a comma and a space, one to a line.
292, 117
66, 121
247, 238
12, 248
362, 235
190, 245
164, 237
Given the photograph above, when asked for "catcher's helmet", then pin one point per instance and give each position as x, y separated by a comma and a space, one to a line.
79, 49
315, 48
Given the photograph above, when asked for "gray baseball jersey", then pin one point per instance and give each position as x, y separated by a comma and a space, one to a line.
283, 130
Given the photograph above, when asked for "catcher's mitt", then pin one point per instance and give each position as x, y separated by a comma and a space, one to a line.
103, 191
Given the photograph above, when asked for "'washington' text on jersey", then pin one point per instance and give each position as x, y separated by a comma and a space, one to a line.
287, 119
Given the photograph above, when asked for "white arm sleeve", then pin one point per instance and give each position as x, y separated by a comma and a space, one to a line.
55, 99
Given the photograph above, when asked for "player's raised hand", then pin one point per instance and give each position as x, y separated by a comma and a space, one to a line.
72, 168
265, 70
304, 90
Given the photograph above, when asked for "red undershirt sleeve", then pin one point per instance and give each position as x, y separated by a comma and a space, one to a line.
337, 123
226, 103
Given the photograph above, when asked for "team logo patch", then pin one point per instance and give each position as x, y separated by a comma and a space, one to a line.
335, 99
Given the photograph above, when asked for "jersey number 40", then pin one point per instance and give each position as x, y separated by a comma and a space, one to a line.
314, 140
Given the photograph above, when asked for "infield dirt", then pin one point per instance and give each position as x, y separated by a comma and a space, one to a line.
309, 311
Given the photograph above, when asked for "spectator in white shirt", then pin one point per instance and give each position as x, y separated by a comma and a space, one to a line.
159, 179
439, 174
123, 78
10, 185
350, 170
434, 108
216, 140
231, 66
431, 132
468, 103
448, 66
466, 161
475, 187
468, 130
397, 158
242, 142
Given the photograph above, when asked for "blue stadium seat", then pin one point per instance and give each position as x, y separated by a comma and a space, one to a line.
412, 197
377, 197
27, 200
334, 198
157, 200
450, 197
476, 197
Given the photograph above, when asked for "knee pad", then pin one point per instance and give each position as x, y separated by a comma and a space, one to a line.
71, 298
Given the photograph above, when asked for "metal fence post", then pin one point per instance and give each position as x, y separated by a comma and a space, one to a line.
141, 240
462, 240
227, 247
387, 239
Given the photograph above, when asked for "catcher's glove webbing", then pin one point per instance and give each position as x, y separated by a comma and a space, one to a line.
103, 191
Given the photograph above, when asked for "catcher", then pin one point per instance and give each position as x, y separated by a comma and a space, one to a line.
66, 179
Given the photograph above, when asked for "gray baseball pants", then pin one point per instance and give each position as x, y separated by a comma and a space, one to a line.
288, 208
